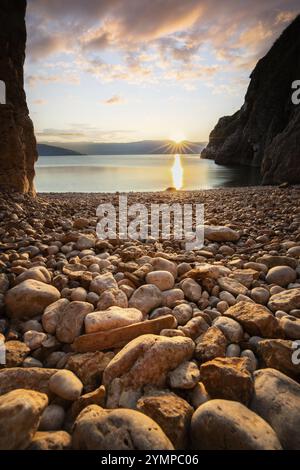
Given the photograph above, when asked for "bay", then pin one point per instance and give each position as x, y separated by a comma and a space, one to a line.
110, 173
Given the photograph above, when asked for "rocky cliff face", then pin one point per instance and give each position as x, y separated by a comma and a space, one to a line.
17, 142
265, 132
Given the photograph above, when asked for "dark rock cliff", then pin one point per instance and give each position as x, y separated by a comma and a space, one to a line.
265, 132
17, 142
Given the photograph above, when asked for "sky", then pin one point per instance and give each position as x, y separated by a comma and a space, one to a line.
128, 70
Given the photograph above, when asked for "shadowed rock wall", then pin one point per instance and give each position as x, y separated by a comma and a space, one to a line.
265, 132
17, 141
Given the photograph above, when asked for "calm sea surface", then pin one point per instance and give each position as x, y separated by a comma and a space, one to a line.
109, 173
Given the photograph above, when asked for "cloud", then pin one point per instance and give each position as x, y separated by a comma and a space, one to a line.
46, 44
59, 133
33, 80
87, 134
96, 42
254, 36
284, 17
138, 19
194, 73
156, 40
40, 102
131, 71
115, 99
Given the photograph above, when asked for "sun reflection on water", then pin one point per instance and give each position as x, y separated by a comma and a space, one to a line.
177, 172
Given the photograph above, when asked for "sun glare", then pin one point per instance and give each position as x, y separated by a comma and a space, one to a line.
177, 172
177, 144
177, 138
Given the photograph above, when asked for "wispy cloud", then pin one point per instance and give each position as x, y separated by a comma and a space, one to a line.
33, 80
87, 133
115, 99
40, 102
46, 43
59, 133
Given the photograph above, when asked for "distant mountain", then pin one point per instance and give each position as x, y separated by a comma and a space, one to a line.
45, 150
130, 148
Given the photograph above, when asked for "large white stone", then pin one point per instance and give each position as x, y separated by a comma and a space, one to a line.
113, 317
146, 298
164, 280
20, 412
229, 425
66, 385
29, 298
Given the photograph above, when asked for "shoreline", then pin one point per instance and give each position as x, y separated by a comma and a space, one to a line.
176, 193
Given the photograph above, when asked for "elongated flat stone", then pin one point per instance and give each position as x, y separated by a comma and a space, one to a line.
118, 337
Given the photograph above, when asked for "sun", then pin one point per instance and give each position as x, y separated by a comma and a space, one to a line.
177, 137
177, 144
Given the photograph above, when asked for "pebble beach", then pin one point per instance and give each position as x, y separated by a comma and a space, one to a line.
140, 344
